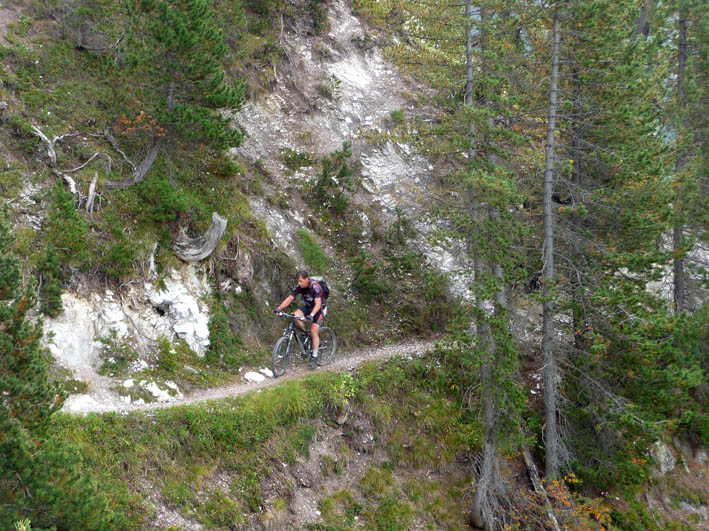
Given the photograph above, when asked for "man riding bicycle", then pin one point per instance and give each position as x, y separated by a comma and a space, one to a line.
313, 308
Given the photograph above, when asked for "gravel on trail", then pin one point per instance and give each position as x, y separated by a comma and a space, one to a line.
111, 402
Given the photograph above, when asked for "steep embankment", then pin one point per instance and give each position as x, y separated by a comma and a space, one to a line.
328, 90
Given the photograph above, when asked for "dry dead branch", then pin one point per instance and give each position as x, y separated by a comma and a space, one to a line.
196, 249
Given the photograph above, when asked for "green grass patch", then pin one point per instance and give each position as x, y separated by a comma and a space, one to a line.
313, 254
249, 439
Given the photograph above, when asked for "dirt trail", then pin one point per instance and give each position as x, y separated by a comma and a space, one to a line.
103, 401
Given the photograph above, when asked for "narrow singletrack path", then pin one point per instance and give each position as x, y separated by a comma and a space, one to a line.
105, 401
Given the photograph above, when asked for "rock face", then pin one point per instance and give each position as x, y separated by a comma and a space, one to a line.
139, 317
330, 91
663, 457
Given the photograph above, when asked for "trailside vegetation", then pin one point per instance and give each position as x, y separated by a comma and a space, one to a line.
574, 138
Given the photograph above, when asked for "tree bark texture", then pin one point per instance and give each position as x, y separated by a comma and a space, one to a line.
141, 171
678, 230
469, 76
196, 249
486, 507
550, 369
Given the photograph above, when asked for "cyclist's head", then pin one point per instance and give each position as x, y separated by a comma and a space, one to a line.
302, 278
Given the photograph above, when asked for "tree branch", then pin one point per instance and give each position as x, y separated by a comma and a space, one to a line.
196, 249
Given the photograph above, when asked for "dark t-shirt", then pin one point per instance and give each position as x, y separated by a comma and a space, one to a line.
309, 294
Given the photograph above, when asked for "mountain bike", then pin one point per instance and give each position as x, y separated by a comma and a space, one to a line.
294, 337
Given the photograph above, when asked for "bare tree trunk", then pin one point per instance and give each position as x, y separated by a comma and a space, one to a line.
550, 368
141, 171
483, 510
643, 27
679, 277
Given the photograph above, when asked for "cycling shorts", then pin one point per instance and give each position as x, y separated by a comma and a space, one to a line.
319, 317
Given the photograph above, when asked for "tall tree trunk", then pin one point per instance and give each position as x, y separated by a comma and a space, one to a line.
481, 512
483, 508
550, 369
579, 318
469, 99
677, 232
488, 490
643, 27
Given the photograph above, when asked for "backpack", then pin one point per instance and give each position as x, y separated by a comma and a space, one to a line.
323, 285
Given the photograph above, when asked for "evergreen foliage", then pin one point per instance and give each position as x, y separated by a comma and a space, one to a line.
175, 51
314, 256
336, 178
66, 230
225, 348
50, 292
40, 478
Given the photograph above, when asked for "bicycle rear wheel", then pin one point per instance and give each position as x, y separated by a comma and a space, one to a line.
280, 357
328, 345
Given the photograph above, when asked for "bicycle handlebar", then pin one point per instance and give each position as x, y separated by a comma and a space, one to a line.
291, 316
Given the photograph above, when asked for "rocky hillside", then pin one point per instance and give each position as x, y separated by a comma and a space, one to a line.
326, 90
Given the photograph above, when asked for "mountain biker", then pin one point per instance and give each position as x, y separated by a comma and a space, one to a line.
313, 308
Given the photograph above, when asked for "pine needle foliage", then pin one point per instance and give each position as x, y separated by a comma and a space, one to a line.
175, 52
40, 478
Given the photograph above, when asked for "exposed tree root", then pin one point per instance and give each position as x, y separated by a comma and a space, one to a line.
196, 249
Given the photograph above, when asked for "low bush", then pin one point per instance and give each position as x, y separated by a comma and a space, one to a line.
314, 256
225, 349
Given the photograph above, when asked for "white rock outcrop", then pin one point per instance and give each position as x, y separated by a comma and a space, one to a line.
139, 317
663, 457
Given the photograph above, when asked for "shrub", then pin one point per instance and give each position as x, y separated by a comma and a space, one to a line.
121, 253
314, 256
365, 280
294, 160
67, 230
336, 178
225, 348
50, 293
318, 10
397, 117
117, 354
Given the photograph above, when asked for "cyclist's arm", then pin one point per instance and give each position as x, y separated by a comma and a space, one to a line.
318, 305
286, 302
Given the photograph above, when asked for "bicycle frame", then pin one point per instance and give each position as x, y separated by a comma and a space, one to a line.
292, 331
280, 356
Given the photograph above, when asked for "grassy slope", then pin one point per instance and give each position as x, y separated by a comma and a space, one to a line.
237, 462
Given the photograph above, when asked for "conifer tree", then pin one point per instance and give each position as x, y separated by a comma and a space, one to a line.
40, 478
176, 48
476, 202
174, 52
612, 210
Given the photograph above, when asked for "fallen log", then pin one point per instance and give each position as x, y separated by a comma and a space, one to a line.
196, 249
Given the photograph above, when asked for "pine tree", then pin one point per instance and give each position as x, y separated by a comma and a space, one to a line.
50, 293
66, 229
41, 478
612, 210
176, 49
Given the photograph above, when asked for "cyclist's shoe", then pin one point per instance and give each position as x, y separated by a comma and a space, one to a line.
313, 362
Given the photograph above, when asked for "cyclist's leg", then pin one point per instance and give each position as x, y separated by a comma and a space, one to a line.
317, 323
299, 313
316, 338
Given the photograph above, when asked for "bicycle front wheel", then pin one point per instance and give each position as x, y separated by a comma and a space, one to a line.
328, 345
280, 357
